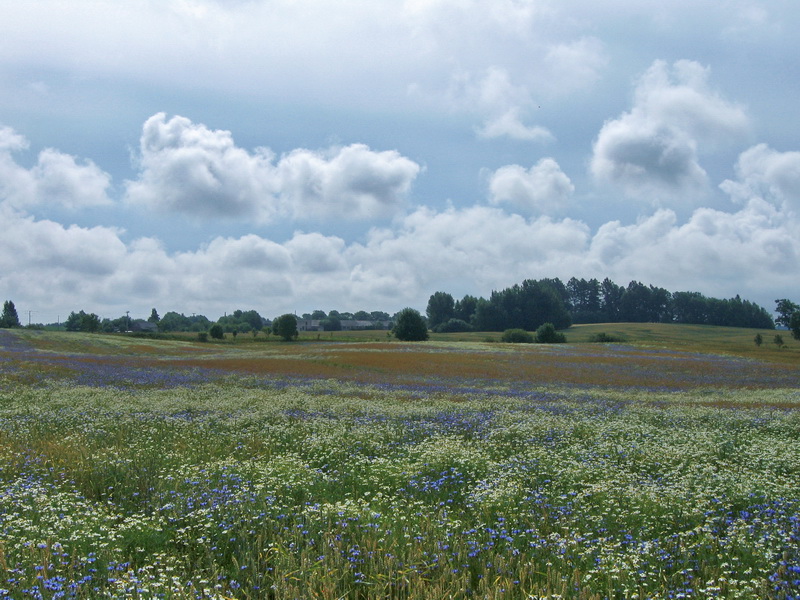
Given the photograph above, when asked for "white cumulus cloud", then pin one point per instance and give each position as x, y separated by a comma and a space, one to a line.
503, 104
56, 178
766, 173
653, 150
188, 168
544, 188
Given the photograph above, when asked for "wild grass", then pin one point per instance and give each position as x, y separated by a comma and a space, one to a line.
388, 470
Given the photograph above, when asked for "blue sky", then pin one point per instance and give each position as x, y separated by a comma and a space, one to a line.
208, 155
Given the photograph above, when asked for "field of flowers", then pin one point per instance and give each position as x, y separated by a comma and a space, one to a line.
157, 469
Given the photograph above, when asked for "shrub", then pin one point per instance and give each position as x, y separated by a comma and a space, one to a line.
547, 334
216, 331
517, 336
604, 338
202, 336
453, 326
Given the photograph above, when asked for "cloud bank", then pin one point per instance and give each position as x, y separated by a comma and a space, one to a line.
463, 250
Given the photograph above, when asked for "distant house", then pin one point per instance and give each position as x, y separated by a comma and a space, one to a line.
309, 325
347, 325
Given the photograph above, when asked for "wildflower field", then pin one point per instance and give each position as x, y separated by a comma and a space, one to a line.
139, 468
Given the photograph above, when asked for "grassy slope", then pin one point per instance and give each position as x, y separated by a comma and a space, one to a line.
691, 338
697, 338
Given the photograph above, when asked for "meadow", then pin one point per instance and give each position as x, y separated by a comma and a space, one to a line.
666, 466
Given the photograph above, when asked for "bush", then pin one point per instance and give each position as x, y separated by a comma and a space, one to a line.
202, 336
216, 331
453, 326
409, 326
516, 336
604, 338
547, 334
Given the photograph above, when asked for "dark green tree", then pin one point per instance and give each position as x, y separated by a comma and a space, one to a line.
9, 317
453, 326
759, 339
153, 318
489, 315
331, 324
441, 308
285, 326
82, 321
785, 309
409, 326
611, 300
794, 325
216, 331
584, 300
465, 308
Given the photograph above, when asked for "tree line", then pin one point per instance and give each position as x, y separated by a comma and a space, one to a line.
526, 306
534, 302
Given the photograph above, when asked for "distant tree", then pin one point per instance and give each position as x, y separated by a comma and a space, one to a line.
690, 307
778, 340
465, 308
441, 308
81, 321
331, 324
785, 309
252, 318
794, 325
611, 300
379, 315
489, 314
9, 317
318, 315
409, 326
216, 331
584, 300
759, 339
547, 334
173, 321
153, 318
285, 326
516, 336
362, 315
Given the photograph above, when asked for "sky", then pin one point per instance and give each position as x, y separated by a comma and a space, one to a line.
202, 156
